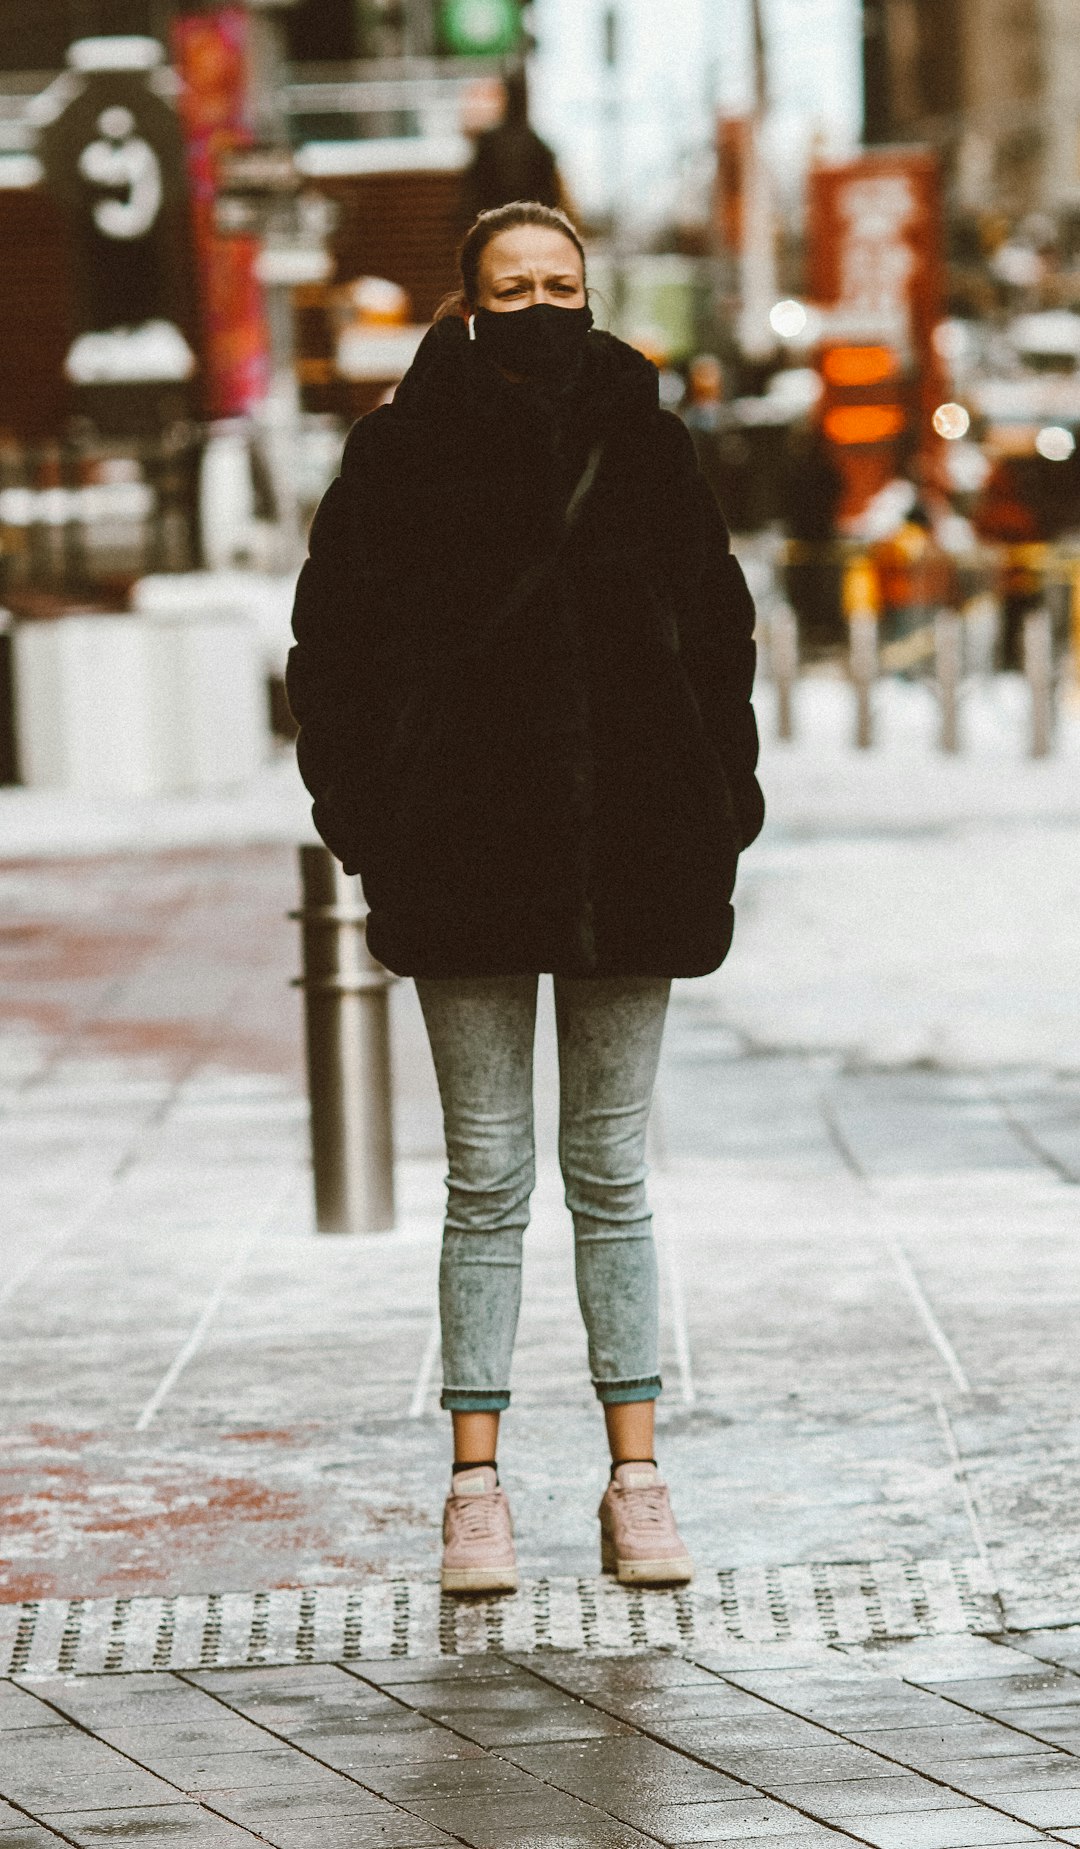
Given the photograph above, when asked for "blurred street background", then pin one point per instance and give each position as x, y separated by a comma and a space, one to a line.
848, 234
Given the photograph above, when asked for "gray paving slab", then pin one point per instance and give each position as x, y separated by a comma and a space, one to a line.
945, 1741
311, 1799
1039, 1688
803, 1838
1054, 1769
944, 1829
868, 1797
791, 1766
705, 1822
624, 1770
349, 1833
28, 1836
151, 1827
928, 1123
1048, 1810
1046, 1112
44, 1764
548, 1818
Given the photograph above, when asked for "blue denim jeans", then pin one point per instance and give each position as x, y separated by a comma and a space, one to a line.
481, 1031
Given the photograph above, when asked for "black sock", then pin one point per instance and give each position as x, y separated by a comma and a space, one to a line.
485, 1464
632, 1460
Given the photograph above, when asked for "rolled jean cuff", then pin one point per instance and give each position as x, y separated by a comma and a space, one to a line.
473, 1399
625, 1392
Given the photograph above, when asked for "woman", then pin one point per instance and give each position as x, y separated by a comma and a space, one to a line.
522, 678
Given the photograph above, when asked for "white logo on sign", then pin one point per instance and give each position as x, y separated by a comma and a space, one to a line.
877, 261
122, 159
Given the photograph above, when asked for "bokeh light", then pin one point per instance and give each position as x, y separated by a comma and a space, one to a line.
788, 319
1055, 443
952, 422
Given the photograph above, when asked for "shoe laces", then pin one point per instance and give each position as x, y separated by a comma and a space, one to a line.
478, 1518
647, 1510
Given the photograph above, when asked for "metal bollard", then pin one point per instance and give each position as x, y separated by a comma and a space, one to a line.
347, 1020
784, 664
1038, 649
948, 656
863, 636
982, 634
862, 599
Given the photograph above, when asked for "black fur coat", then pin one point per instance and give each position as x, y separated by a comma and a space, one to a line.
522, 676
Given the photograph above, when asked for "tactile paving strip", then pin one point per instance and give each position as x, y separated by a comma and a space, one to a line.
822, 1603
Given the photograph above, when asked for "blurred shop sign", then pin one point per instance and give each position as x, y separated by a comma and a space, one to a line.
876, 271
734, 135
210, 54
480, 28
257, 172
113, 159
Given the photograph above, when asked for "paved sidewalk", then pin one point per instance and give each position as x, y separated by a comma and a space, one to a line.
907, 1746
869, 1281
224, 1462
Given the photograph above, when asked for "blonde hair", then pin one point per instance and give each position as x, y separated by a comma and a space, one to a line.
485, 230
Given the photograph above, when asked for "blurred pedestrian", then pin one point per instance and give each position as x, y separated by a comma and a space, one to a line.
522, 675
917, 578
811, 492
511, 161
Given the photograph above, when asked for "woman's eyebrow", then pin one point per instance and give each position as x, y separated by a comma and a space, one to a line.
525, 276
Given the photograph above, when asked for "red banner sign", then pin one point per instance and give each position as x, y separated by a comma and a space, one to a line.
209, 52
876, 269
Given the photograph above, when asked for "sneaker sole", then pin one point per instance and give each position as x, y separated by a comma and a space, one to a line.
677, 1572
479, 1579
654, 1572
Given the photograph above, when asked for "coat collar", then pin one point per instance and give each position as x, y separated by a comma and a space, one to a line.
450, 381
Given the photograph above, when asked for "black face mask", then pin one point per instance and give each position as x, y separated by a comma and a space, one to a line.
545, 342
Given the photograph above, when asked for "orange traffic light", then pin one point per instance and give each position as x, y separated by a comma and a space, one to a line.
864, 423
847, 366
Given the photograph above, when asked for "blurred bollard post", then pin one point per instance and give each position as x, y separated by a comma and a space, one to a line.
1074, 628
784, 665
864, 667
1038, 650
9, 762
347, 1020
861, 604
948, 655
982, 634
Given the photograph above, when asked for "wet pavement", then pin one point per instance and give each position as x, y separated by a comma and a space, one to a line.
922, 1745
224, 1462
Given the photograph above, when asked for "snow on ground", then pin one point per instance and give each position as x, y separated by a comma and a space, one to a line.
272, 806
906, 908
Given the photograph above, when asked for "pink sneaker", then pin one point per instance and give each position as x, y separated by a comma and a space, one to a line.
478, 1535
639, 1541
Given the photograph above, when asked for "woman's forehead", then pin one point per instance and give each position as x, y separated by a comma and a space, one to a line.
527, 247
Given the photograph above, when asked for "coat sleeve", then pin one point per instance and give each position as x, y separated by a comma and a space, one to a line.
717, 635
332, 676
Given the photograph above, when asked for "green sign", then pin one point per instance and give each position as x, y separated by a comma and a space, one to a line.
480, 28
